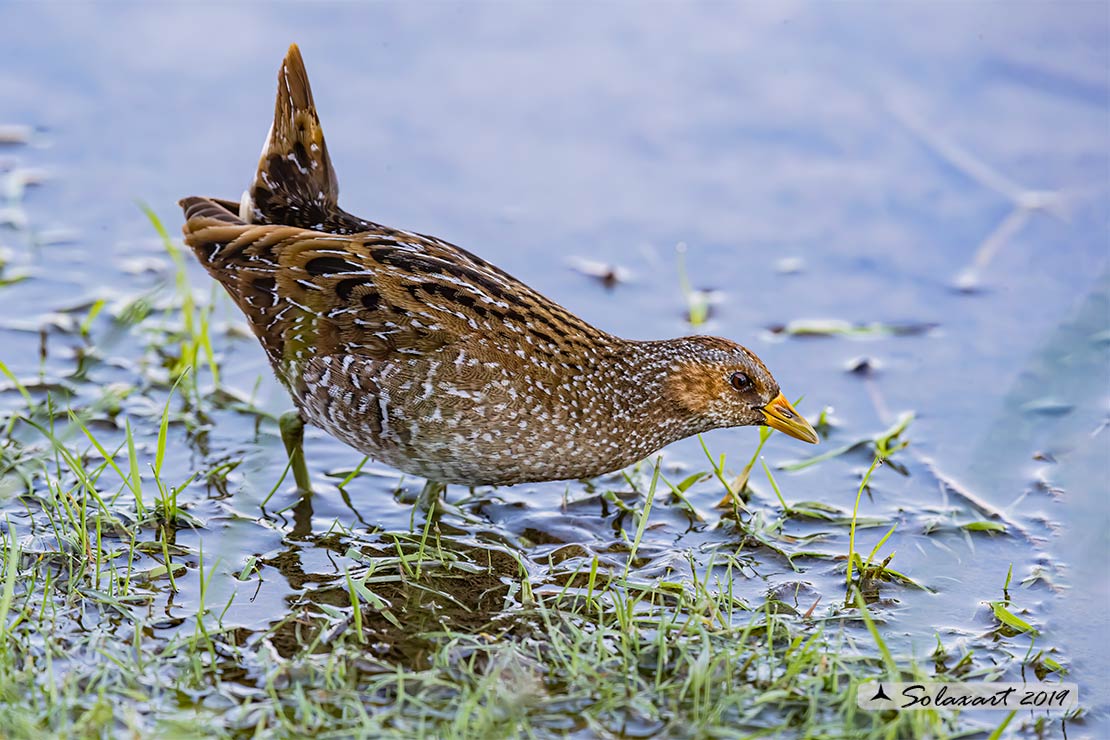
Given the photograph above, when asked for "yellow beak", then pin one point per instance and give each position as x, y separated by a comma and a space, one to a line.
781, 415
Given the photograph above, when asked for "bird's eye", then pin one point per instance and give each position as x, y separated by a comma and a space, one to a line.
740, 381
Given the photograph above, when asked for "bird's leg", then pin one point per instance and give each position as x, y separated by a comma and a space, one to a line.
430, 495
432, 500
292, 434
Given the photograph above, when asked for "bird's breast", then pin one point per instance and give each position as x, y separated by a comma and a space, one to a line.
475, 415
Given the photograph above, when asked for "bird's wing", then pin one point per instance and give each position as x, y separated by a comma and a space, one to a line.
380, 293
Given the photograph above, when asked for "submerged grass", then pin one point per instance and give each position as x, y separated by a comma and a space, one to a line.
632, 659
447, 636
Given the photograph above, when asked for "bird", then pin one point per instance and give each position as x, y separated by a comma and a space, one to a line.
430, 359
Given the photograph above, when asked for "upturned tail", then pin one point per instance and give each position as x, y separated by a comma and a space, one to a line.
295, 184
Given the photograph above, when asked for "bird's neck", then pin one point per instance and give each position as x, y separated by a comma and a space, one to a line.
639, 407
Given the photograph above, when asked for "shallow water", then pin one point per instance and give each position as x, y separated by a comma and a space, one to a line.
845, 163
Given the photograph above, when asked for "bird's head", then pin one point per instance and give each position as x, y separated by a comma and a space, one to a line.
722, 384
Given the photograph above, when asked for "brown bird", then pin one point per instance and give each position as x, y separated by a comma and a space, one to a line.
432, 360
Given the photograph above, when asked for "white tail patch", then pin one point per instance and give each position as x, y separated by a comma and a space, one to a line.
246, 207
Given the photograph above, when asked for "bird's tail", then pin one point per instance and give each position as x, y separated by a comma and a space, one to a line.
296, 184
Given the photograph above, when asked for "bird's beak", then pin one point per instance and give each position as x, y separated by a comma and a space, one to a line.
779, 414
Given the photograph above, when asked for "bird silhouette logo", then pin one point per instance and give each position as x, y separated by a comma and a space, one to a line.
880, 694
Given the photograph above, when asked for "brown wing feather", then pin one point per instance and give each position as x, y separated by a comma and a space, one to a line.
382, 294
